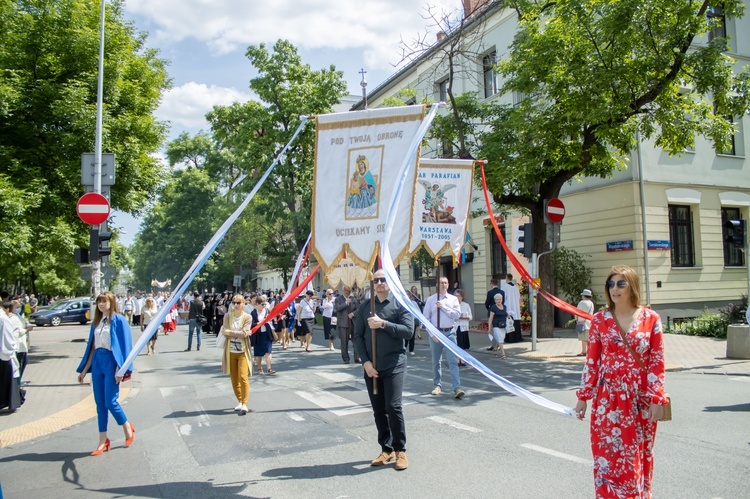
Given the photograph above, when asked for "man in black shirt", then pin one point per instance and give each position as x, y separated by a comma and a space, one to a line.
391, 324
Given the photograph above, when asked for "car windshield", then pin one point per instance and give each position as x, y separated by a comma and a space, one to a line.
59, 305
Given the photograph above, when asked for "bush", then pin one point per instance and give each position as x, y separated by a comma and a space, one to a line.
733, 313
570, 273
706, 324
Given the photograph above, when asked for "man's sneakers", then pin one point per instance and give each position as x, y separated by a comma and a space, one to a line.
387, 457
437, 390
401, 462
383, 458
459, 393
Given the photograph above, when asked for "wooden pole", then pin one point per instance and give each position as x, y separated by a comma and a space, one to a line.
374, 341
437, 292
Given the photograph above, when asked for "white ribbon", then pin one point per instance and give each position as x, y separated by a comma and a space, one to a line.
297, 268
201, 259
394, 283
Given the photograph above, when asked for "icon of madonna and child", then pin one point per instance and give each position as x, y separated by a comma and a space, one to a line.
361, 201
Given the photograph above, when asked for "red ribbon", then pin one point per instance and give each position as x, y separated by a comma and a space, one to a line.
557, 302
281, 306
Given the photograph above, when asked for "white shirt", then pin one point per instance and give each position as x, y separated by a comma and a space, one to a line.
102, 338
463, 323
449, 313
328, 307
8, 343
512, 302
587, 306
19, 328
306, 309
236, 344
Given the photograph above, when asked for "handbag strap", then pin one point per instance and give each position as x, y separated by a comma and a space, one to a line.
627, 344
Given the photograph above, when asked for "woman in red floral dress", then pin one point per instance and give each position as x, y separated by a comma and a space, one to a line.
627, 400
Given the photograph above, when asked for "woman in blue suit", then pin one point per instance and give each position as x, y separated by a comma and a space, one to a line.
109, 345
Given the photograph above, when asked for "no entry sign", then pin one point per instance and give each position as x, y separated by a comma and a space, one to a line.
93, 208
555, 211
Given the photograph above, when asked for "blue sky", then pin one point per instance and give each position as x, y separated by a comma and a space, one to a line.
205, 42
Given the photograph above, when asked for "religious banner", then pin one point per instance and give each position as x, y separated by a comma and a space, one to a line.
347, 272
441, 208
358, 158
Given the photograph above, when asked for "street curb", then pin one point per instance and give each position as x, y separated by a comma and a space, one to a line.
73, 415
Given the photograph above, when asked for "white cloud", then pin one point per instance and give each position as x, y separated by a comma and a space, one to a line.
186, 106
374, 26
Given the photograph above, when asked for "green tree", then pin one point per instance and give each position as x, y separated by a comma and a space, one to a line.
48, 80
593, 73
176, 230
254, 133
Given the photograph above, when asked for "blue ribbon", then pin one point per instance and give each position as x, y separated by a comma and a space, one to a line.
394, 283
204, 255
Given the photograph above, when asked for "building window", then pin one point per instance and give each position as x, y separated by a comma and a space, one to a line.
490, 82
681, 236
732, 149
733, 256
443, 90
499, 259
518, 98
417, 272
717, 21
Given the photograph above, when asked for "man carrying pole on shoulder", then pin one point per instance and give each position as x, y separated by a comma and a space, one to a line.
392, 324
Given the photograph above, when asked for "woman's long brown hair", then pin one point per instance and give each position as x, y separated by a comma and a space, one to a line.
112, 307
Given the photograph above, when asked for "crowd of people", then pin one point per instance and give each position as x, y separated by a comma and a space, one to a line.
625, 383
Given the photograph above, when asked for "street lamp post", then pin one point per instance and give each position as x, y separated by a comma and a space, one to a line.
96, 275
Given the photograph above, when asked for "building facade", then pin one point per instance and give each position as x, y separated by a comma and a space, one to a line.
663, 215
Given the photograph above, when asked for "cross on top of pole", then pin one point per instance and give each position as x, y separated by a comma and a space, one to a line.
363, 83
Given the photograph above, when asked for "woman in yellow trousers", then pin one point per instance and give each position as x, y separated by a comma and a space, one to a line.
236, 362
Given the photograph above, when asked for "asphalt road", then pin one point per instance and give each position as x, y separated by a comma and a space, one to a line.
310, 434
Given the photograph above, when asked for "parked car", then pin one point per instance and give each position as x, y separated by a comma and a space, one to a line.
74, 310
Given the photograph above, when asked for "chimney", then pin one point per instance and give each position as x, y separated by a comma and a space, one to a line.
471, 6
441, 36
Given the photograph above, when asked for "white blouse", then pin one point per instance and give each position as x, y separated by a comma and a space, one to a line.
102, 338
463, 323
236, 345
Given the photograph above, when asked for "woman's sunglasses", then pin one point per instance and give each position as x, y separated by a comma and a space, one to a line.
622, 284
237, 302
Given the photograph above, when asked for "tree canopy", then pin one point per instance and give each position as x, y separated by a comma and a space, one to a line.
243, 140
588, 76
48, 82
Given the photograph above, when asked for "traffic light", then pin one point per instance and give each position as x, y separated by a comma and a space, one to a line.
736, 233
525, 241
81, 255
99, 244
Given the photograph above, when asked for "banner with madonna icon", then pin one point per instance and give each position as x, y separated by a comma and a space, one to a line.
441, 208
358, 157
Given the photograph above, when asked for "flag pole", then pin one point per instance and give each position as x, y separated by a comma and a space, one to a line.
374, 340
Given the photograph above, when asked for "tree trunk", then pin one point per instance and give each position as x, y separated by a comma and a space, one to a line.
545, 310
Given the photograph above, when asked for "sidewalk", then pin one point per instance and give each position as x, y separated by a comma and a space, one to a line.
682, 353
57, 401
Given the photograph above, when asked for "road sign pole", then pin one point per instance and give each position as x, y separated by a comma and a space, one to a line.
532, 301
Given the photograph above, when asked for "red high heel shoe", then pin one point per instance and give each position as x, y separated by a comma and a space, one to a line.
101, 449
129, 441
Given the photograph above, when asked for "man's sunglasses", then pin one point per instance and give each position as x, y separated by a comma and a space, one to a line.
379, 280
622, 284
